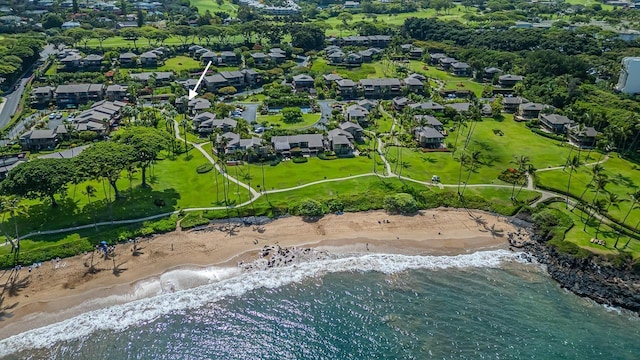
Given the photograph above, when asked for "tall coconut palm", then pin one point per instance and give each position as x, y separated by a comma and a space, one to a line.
599, 184
184, 123
464, 160
572, 163
90, 191
595, 171
522, 163
613, 200
12, 206
474, 163
635, 228
597, 207
529, 172
635, 198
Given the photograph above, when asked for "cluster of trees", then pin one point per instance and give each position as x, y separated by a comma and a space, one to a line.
17, 53
45, 178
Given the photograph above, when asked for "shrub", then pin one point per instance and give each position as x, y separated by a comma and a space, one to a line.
335, 205
402, 203
192, 220
299, 160
204, 168
309, 208
327, 156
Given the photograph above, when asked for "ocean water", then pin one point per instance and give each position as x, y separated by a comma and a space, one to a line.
487, 305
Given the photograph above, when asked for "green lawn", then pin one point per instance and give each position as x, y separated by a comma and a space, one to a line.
378, 69
623, 175
498, 152
212, 6
276, 120
396, 19
583, 237
451, 82
175, 181
289, 174
179, 63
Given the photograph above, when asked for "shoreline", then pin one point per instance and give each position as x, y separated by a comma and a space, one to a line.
61, 290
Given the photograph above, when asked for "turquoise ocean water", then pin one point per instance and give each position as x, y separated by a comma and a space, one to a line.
488, 305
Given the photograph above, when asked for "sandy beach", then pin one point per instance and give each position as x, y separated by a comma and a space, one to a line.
60, 290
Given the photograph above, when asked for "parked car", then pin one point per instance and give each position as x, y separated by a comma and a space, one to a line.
52, 116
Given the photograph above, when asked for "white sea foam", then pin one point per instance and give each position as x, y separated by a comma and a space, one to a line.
185, 289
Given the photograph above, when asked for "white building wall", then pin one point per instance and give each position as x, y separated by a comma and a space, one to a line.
629, 81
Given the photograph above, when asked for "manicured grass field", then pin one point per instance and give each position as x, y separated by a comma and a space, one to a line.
497, 153
455, 13
276, 120
451, 82
289, 174
175, 181
378, 69
179, 63
582, 237
212, 6
624, 179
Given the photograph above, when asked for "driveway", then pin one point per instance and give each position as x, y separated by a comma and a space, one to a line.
325, 111
250, 112
66, 154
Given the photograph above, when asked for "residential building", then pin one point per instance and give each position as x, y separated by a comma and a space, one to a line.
209, 56
347, 89
529, 111
234, 78
336, 57
305, 144
400, 102
490, 72
367, 104
354, 59
92, 61
302, 82
69, 25
71, 62
209, 126
73, 95
380, 88
356, 113
259, 58
430, 121
511, 104
202, 117
629, 80
460, 107
416, 53
331, 78
435, 58
215, 82
117, 92
461, 69
128, 59
230, 143
584, 137
446, 62
37, 140
353, 128
228, 58
41, 96
340, 141
251, 77
555, 123
509, 80
429, 137
413, 84
351, 4
427, 106
277, 57
149, 59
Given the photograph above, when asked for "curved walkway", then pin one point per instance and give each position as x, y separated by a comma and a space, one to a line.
255, 195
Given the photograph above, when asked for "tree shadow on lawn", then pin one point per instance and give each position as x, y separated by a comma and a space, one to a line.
141, 202
619, 179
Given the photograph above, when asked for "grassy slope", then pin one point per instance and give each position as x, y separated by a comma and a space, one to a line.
451, 82
498, 152
624, 178
374, 70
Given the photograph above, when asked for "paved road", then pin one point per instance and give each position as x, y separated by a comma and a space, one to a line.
325, 110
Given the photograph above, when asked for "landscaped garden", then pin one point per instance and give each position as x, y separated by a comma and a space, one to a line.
276, 120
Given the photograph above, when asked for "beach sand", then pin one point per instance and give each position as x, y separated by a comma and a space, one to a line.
49, 294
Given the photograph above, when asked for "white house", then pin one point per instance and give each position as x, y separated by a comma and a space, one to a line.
629, 81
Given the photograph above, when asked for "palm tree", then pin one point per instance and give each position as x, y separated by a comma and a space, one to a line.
522, 162
599, 184
530, 172
598, 206
613, 200
90, 191
573, 163
184, 123
461, 123
635, 228
464, 159
13, 206
472, 166
595, 171
635, 197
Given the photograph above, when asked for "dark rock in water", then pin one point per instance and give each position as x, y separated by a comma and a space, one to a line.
602, 283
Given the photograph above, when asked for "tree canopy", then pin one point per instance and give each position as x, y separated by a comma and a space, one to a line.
39, 179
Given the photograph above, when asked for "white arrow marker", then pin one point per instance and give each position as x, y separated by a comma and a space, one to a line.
194, 92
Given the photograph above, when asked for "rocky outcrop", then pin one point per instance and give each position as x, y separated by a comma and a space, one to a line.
603, 283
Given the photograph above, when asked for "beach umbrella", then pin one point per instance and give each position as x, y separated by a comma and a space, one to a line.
103, 242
